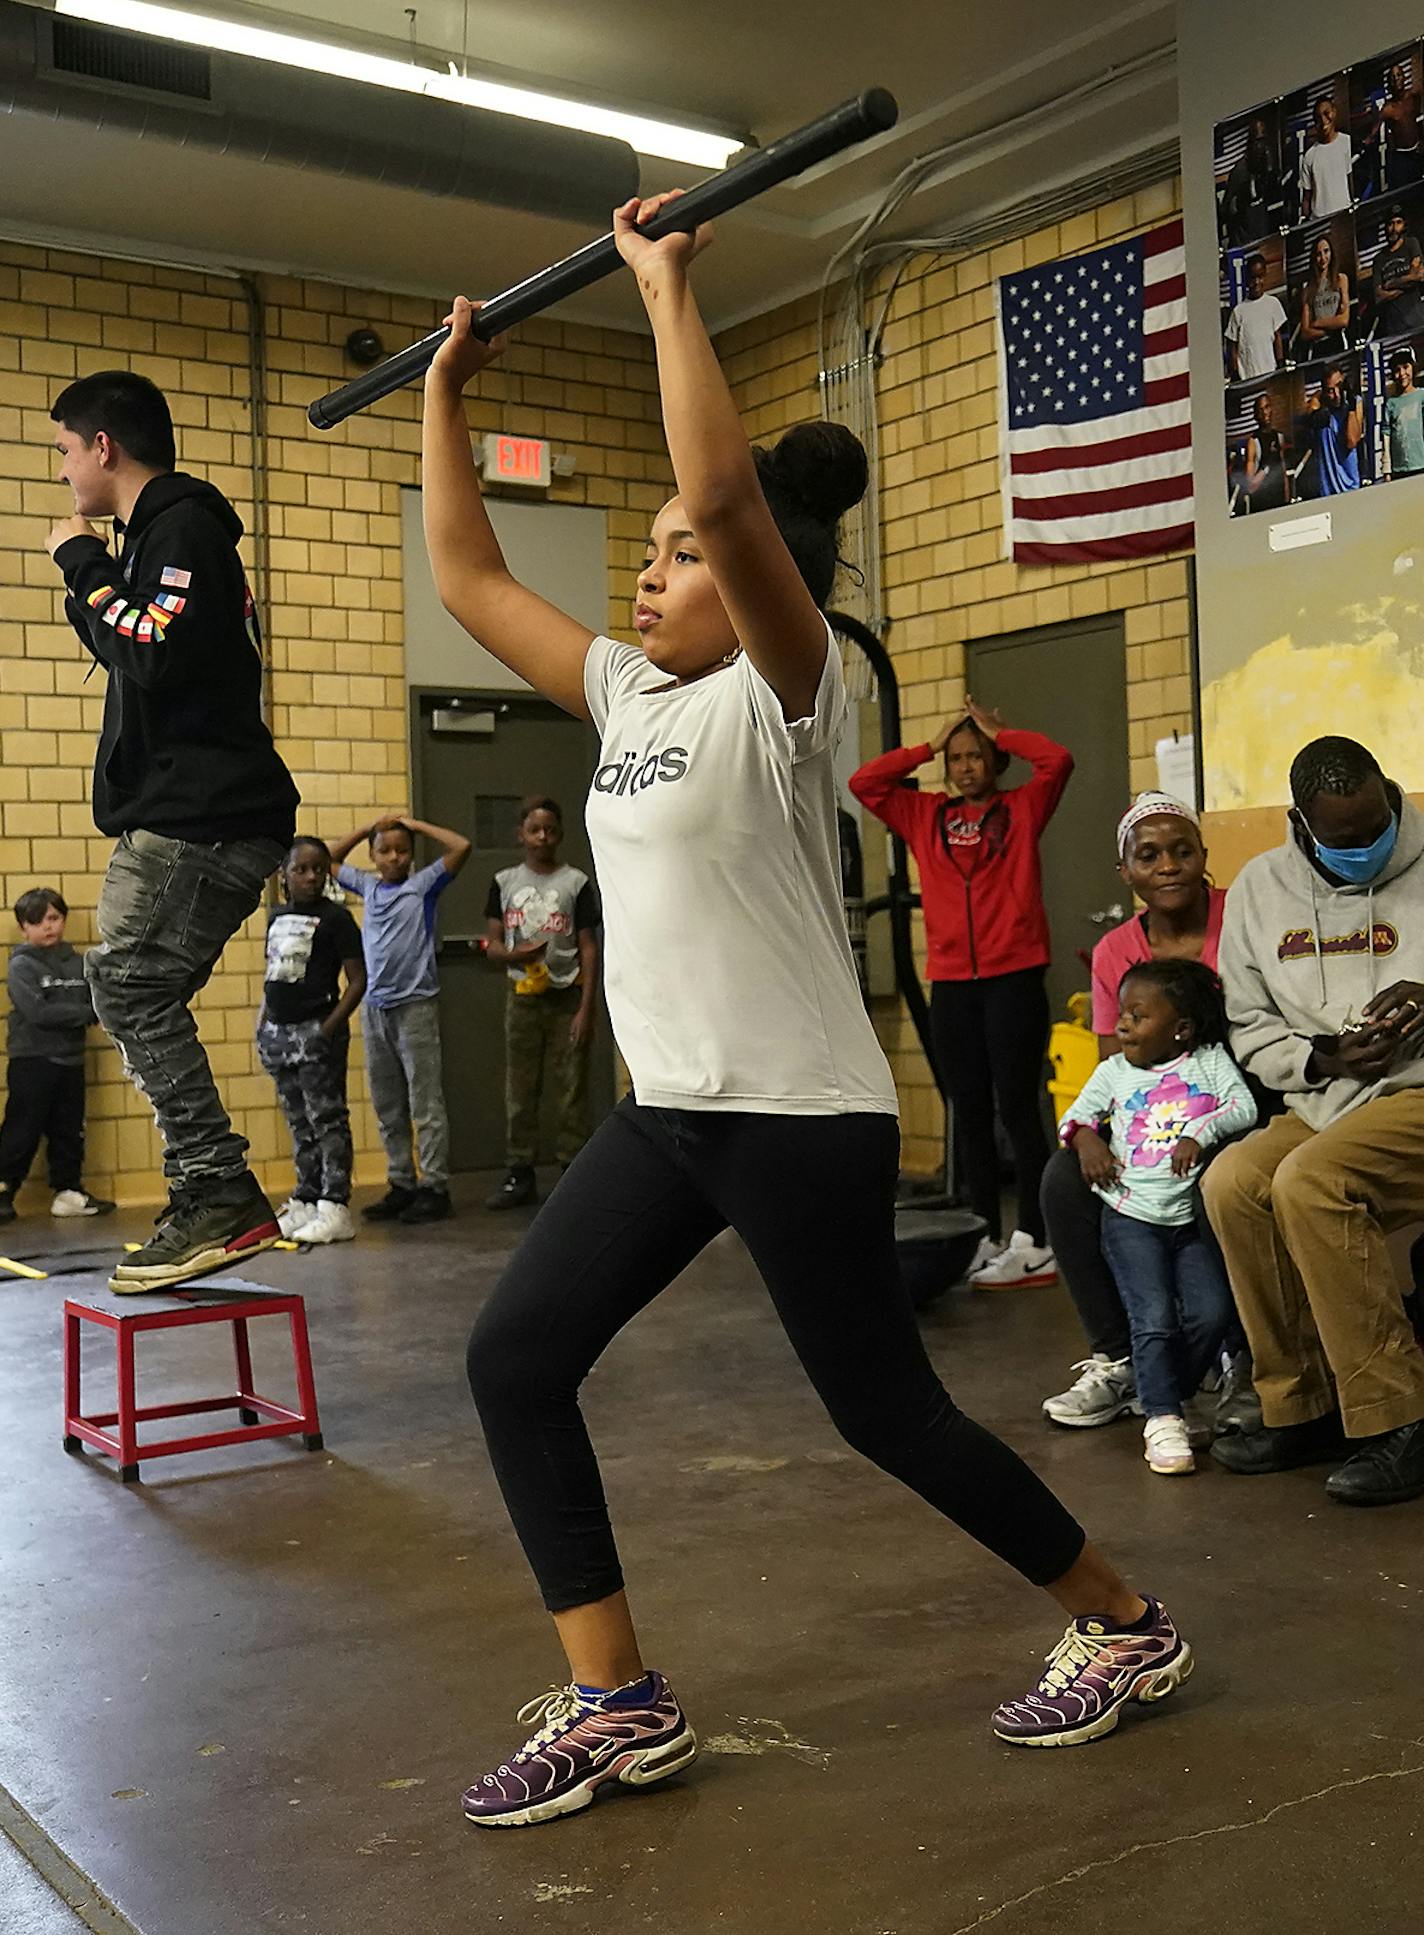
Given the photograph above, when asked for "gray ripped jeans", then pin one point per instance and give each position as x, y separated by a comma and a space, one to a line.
403, 1071
166, 911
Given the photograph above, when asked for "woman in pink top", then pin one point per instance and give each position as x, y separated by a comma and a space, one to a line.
1162, 859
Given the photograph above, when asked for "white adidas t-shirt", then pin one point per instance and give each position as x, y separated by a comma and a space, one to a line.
728, 970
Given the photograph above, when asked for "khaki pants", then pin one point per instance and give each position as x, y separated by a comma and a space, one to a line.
537, 1050
1302, 1216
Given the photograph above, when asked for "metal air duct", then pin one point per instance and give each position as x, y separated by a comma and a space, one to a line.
111, 80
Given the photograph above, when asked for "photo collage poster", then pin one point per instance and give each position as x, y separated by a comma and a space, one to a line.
1320, 218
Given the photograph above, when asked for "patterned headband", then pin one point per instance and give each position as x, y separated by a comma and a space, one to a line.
1151, 806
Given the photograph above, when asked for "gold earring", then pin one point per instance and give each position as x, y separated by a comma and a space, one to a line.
730, 658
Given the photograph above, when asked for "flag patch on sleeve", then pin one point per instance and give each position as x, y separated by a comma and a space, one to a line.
171, 575
169, 601
96, 598
112, 615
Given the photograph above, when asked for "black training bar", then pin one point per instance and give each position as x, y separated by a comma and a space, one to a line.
869, 113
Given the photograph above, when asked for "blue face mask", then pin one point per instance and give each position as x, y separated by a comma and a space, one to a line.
1359, 865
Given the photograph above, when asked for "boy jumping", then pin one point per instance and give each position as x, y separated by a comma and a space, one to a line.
188, 782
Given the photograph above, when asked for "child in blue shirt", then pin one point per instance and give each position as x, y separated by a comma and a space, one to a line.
1139, 1129
402, 1015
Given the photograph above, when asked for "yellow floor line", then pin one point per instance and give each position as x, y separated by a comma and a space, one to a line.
22, 1269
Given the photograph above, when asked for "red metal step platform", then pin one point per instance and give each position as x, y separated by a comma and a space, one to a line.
233, 1302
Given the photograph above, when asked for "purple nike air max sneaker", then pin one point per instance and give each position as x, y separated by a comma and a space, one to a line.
1093, 1672
580, 1744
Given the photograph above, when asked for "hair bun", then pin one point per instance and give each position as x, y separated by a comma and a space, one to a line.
822, 466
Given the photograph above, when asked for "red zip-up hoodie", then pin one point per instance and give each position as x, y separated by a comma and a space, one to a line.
978, 859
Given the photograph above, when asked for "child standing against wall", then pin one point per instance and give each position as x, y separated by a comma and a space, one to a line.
1139, 1130
49, 1012
542, 920
304, 1037
402, 1027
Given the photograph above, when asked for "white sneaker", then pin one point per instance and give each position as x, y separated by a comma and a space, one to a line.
1104, 1390
1165, 1446
989, 1248
77, 1202
293, 1217
331, 1224
1019, 1263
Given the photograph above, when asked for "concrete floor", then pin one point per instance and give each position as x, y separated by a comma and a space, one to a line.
245, 1694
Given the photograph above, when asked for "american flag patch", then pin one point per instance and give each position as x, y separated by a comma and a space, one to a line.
171, 575
96, 598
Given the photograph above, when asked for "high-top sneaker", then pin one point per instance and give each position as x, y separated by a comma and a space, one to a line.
201, 1230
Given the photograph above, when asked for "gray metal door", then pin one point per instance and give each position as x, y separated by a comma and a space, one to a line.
1069, 681
477, 755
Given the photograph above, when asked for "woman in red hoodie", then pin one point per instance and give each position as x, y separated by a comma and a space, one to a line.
977, 852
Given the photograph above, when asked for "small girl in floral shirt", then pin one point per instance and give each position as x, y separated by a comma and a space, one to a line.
1139, 1130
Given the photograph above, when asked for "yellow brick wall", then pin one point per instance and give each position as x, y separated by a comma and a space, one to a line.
332, 596
946, 579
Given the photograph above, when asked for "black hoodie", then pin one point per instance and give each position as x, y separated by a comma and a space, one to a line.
184, 750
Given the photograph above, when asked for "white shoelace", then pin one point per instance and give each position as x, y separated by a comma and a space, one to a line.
1072, 1653
1092, 1371
557, 1709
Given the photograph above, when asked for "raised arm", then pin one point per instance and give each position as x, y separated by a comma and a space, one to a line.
455, 848
772, 613
880, 787
338, 849
524, 631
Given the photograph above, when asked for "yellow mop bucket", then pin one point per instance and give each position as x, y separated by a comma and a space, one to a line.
1073, 1051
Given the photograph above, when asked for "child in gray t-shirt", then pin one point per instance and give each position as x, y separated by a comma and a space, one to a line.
541, 920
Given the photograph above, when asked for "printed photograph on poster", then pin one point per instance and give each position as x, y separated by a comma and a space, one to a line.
1250, 200
1331, 454
1259, 451
1388, 240
1322, 277
1394, 374
1385, 105
1253, 310
1317, 153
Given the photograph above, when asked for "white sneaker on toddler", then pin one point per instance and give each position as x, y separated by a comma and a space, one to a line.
293, 1217
1166, 1446
331, 1224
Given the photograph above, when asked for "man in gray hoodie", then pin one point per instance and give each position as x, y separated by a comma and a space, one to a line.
1316, 938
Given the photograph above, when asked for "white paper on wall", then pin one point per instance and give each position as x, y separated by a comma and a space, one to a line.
1176, 768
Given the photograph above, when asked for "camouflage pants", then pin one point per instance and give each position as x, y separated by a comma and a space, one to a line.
538, 1053
310, 1073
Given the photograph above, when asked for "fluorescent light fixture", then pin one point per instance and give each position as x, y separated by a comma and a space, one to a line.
646, 136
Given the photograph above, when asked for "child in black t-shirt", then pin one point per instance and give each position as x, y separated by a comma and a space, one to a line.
303, 1035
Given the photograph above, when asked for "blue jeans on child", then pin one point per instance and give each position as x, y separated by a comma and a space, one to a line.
1174, 1287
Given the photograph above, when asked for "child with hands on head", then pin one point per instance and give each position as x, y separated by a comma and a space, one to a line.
1140, 1129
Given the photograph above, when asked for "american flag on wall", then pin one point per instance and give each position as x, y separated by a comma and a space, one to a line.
1095, 421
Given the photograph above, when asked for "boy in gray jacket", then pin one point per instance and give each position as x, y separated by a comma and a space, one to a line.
1322, 961
49, 1012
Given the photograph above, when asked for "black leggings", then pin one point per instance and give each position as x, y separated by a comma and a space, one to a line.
990, 1038
1074, 1218
811, 1197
